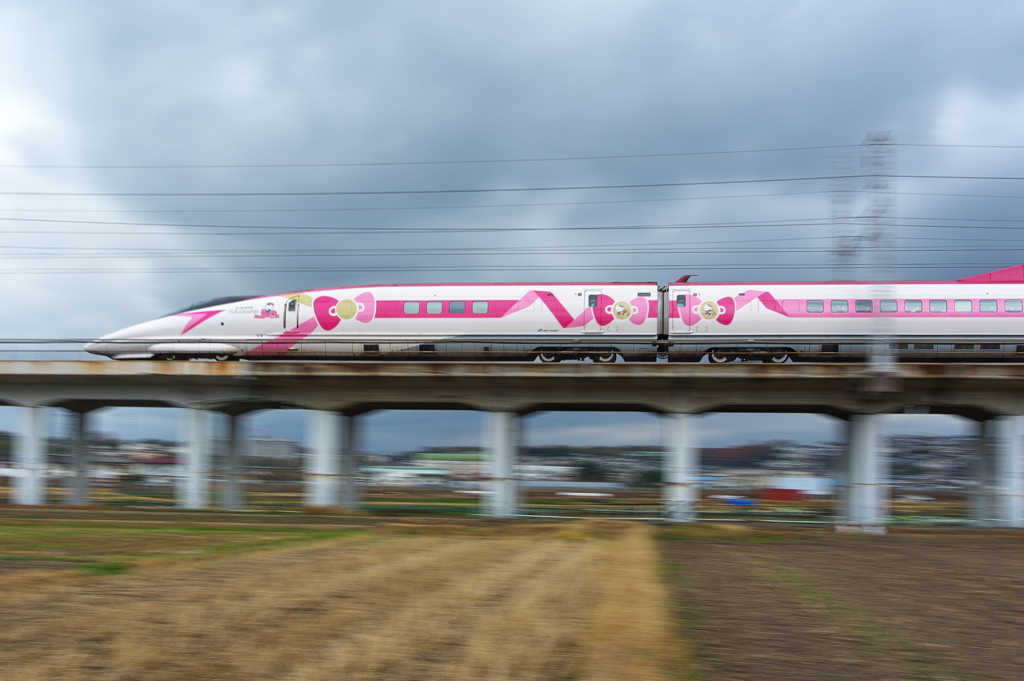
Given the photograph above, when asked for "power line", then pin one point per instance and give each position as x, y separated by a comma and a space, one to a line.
408, 192
408, 208
372, 164
376, 269
541, 159
497, 190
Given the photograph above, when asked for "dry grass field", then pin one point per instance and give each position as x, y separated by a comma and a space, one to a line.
413, 601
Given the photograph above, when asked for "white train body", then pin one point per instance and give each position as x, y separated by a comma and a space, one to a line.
980, 318
459, 321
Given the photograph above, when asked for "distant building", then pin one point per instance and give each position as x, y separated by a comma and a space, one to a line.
405, 476
460, 465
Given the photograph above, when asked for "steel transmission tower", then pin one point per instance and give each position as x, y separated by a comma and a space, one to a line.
844, 237
877, 156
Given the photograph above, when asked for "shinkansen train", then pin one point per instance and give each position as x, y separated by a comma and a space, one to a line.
980, 318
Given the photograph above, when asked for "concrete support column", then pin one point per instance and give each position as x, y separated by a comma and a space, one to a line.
842, 474
78, 489
323, 463
231, 497
349, 493
680, 468
867, 494
982, 507
503, 433
193, 488
1007, 463
30, 459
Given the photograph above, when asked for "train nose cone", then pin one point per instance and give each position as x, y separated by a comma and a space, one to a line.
97, 348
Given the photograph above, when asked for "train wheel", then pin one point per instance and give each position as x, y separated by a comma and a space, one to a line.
547, 357
608, 358
719, 357
225, 358
777, 358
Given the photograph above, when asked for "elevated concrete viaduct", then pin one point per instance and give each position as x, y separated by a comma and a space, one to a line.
338, 393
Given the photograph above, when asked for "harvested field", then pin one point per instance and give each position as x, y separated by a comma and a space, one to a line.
413, 601
811, 605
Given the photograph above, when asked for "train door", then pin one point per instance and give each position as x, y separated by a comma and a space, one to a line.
292, 312
681, 301
593, 298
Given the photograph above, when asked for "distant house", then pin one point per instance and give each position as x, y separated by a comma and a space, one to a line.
157, 470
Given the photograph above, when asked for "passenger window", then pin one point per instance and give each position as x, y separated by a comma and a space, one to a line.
435, 307
411, 308
913, 306
591, 301
479, 307
988, 306
680, 300
863, 306
936, 305
840, 306
962, 306
888, 306
815, 305
457, 307
291, 305
1013, 306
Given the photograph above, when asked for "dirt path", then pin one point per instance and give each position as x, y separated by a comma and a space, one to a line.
879, 608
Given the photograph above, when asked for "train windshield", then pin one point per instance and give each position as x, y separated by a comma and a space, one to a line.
210, 303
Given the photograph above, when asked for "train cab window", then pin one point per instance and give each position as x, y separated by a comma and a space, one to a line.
988, 306
888, 306
963, 306
457, 307
815, 305
840, 306
913, 306
937, 306
411, 308
479, 307
292, 305
435, 307
1013, 306
863, 306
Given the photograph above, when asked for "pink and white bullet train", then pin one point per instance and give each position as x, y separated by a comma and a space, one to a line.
980, 318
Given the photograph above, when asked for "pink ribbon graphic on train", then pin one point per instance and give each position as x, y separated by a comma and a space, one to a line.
603, 313
724, 309
330, 311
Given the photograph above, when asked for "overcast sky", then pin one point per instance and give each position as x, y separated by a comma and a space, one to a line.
158, 153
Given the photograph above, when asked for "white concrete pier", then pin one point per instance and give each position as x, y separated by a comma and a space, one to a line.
323, 462
681, 468
1006, 461
232, 495
78, 487
867, 494
502, 430
193, 489
349, 493
30, 459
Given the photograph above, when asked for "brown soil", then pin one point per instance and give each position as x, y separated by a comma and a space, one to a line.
941, 605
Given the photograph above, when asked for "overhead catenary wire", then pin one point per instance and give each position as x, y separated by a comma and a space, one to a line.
651, 270
497, 190
542, 159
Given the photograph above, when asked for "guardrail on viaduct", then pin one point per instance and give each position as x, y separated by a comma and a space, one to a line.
339, 392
